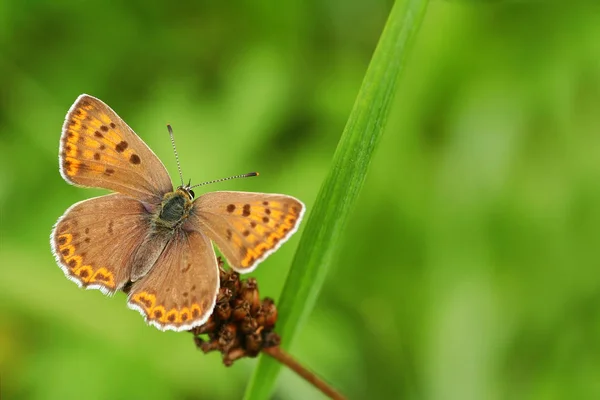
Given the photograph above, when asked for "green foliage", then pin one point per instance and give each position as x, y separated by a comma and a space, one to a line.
345, 178
469, 266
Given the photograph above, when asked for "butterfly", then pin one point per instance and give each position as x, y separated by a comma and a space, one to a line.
153, 238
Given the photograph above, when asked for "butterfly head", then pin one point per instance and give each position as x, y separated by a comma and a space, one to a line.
187, 190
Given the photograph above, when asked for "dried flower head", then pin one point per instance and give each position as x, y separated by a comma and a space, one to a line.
241, 324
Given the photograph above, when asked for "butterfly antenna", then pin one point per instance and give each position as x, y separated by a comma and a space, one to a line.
248, 175
175, 150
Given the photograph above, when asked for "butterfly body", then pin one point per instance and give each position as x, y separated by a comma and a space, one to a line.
175, 208
153, 238
165, 220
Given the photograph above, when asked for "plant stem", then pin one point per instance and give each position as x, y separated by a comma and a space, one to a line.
283, 357
332, 210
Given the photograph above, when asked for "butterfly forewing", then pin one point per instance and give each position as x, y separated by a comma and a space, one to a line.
94, 240
180, 291
98, 149
246, 227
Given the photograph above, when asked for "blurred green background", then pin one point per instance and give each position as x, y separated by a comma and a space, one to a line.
470, 268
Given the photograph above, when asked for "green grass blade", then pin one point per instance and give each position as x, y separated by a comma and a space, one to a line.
342, 185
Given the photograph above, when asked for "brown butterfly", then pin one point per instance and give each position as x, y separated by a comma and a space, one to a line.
157, 238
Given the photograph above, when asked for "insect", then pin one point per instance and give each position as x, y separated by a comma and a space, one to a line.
149, 236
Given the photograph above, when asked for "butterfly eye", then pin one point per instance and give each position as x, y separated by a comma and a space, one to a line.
192, 194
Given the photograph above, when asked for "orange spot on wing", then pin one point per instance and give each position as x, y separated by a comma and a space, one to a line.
64, 240
253, 253
278, 226
252, 238
196, 310
90, 142
127, 154
158, 313
274, 239
75, 125
67, 251
81, 113
172, 317
84, 273
246, 261
104, 276
74, 262
95, 124
260, 230
113, 138
105, 119
276, 215
71, 165
89, 154
72, 136
185, 314
70, 150
145, 300
99, 168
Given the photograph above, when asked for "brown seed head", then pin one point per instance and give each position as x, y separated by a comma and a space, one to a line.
241, 324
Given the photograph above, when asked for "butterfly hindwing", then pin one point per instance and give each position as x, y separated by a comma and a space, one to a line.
180, 291
98, 149
246, 227
94, 240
